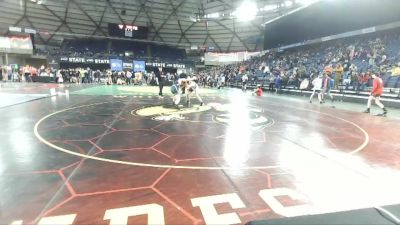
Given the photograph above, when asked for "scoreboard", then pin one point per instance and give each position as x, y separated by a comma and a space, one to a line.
127, 31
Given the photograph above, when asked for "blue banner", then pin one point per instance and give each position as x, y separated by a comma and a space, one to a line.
116, 64
139, 66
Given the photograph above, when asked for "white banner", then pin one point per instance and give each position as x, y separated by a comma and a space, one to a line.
215, 59
18, 45
5, 42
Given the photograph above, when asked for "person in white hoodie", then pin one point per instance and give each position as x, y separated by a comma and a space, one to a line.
317, 86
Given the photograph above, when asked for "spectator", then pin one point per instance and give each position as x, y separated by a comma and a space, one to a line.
362, 81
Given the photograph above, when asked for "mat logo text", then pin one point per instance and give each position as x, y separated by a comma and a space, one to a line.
155, 212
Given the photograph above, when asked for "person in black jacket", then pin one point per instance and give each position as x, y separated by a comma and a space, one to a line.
161, 81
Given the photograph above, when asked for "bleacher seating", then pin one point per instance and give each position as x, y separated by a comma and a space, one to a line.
87, 47
305, 62
119, 48
375, 53
392, 82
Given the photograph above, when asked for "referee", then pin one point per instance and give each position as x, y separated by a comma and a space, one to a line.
161, 81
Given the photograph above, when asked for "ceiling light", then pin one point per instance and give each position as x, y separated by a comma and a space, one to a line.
246, 11
288, 3
192, 19
212, 15
306, 2
270, 7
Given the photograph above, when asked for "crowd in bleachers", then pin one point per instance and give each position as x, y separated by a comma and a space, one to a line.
122, 49
95, 48
83, 76
125, 77
351, 61
25, 73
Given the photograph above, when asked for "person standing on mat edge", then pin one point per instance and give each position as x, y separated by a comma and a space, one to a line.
317, 86
245, 78
161, 79
377, 90
328, 84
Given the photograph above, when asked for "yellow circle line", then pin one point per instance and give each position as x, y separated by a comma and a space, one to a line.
361, 147
35, 130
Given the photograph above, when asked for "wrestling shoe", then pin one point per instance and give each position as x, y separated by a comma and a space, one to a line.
384, 113
201, 104
367, 111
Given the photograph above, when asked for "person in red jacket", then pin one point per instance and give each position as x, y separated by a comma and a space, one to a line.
258, 91
377, 90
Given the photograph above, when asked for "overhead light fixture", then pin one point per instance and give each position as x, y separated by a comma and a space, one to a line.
246, 11
37, 1
269, 7
212, 15
306, 2
288, 3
